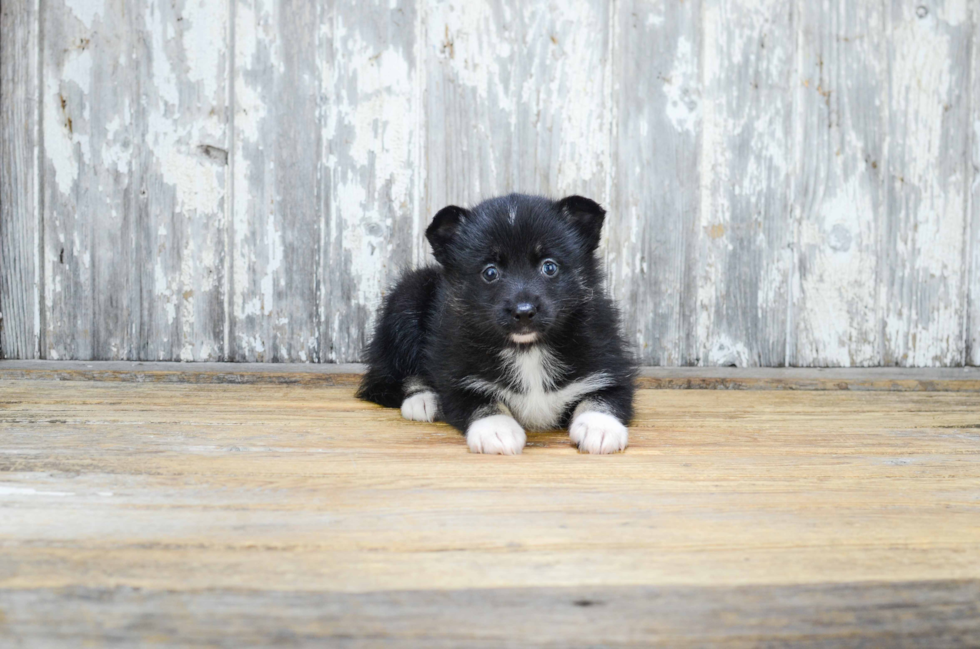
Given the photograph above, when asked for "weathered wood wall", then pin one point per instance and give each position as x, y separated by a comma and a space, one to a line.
788, 183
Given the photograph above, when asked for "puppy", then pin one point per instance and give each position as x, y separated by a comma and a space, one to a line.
511, 332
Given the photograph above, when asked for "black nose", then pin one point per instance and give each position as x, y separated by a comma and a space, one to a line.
524, 312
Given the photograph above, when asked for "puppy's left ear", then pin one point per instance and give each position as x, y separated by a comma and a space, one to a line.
586, 216
442, 230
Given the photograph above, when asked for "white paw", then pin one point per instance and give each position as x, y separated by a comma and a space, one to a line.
498, 434
421, 406
597, 432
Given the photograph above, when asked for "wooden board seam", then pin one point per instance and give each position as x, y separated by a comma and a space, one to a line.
966, 379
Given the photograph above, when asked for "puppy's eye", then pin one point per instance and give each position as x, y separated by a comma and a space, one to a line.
549, 267
490, 274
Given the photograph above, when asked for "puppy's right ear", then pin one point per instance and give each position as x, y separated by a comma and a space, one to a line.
440, 233
586, 216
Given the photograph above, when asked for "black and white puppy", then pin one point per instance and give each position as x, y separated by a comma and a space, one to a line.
512, 331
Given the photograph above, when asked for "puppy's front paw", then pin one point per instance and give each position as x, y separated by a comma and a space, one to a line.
597, 432
421, 406
498, 434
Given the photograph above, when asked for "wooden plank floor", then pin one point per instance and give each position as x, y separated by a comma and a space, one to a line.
238, 515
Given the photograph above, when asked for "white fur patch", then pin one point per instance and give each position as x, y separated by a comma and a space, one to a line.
524, 338
537, 404
421, 406
533, 368
597, 432
497, 434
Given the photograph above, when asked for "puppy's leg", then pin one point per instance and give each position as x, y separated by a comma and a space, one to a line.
421, 403
487, 424
396, 352
598, 422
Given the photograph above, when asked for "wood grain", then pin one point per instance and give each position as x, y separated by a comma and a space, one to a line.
517, 100
20, 311
972, 271
745, 230
94, 199
924, 231
243, 181
159, 511
933, 613
135, 149
652, 238
182, 155
373, 166
840, 186
887, 379
276, 210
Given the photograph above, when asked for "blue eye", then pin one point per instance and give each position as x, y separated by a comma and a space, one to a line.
490, 274
549, 267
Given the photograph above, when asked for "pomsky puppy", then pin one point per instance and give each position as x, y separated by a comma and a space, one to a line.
511, 331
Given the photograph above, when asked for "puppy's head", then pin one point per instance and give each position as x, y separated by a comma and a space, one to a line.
519, 266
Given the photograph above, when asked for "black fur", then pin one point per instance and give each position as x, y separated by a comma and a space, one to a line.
446, 325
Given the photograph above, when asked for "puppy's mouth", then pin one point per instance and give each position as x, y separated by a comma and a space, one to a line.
525, 338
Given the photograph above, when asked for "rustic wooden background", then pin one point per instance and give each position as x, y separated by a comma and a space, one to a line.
789, 183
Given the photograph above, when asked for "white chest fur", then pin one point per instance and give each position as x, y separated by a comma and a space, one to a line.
533, 396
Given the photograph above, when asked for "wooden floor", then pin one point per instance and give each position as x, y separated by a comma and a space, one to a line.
238, 515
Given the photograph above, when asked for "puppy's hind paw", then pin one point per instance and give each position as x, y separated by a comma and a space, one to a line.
421, 406
497, 434
597, 432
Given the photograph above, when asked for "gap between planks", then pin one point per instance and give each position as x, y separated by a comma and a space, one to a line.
889, 379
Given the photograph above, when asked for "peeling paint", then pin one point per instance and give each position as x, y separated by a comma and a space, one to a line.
922, 283
681, 88
780, 187
86, 10
838, 301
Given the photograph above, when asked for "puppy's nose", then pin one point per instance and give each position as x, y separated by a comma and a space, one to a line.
524, 312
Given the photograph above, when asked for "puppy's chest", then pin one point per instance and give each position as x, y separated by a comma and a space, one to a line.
530, 387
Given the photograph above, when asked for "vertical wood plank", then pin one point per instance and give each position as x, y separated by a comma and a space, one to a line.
972, 323
746, 230
652, 248
518, 99
563, 99
19, 281
469, 102
841, 87
134, 141
275, 225
924, 235
354, 122
182, 156
372, 135
92, 192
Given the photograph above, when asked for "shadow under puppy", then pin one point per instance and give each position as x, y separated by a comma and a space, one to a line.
512, 330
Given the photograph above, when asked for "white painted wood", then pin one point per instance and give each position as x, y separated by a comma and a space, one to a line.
276, 156
786, 184
923, 259
517, 99
655, 188
93, 197
183, 157
134, 176
840, 89
746, 227
371, 166
20, 312
972, 320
